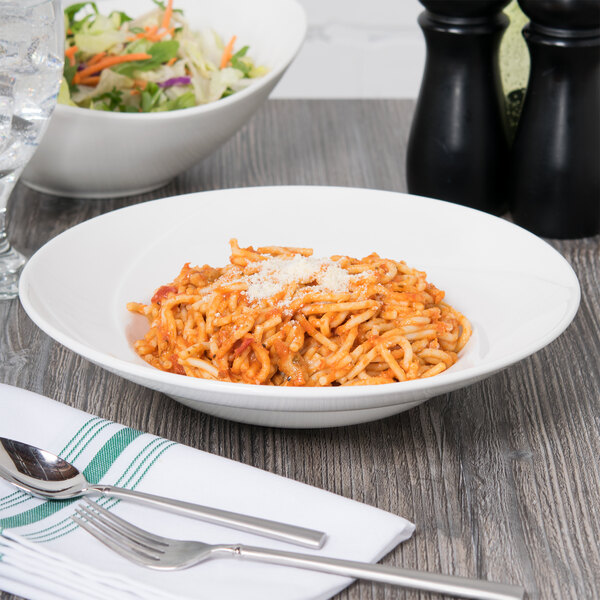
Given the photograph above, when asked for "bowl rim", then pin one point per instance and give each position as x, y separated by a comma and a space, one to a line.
259, 84
379, 395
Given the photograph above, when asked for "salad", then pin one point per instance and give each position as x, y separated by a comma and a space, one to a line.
152, 63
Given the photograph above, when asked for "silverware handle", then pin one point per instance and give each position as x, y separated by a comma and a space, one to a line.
293, 534
419, 580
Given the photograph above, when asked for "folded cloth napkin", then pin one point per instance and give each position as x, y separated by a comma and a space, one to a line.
44, 555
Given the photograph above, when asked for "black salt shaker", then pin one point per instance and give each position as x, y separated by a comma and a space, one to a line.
555, 170
458, 144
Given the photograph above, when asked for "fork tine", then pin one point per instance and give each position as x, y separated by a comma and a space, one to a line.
143, 536
111, 528
125, 551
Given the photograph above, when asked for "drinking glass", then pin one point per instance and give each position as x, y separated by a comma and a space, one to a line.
31, 59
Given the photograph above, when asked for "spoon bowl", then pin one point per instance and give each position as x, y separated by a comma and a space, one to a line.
40, 472
48, 476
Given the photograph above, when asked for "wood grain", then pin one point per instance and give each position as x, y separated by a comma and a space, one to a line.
501, 478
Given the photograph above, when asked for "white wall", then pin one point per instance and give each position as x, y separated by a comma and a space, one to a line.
357, 49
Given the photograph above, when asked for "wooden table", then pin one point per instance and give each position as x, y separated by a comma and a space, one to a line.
502, 478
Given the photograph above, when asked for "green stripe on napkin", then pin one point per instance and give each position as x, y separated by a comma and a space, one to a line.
84, 432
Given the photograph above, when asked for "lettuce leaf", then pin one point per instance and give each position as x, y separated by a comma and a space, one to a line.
71, 13
120, 17
161, 53
64, 95
186, 100
238, 62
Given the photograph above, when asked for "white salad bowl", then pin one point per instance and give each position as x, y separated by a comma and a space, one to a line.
517, 291
96, 154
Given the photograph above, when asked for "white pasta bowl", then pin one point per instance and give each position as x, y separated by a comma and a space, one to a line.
517, 291
96, 154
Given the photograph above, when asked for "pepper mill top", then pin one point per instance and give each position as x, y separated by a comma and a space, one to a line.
463, 11
563, 18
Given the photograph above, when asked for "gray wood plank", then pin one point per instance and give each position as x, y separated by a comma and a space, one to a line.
501, 478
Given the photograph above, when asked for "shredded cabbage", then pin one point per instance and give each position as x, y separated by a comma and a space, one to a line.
99, 35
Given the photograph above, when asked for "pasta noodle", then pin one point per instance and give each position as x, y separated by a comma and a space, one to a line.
278, 316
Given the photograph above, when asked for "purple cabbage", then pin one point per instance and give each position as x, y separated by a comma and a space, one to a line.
175, 81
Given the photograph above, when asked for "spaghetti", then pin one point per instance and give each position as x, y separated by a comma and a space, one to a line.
278, 316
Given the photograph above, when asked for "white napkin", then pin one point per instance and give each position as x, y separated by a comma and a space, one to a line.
44, 555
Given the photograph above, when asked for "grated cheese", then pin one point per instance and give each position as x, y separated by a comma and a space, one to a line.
275, 274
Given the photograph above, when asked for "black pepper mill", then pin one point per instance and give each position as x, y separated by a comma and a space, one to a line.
458, 144
556, 154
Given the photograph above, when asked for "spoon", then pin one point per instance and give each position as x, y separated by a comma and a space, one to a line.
48, 476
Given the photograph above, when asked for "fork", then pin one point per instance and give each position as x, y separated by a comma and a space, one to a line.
157, 552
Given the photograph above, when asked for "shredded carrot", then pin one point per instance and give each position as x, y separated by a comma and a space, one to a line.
167, 16
140, 83
109, 61
149, 33
69, 31
134, 92
159, 36
227, 52
94, 80
70, 54
95, 59
171, 61
137, 36
153, 34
